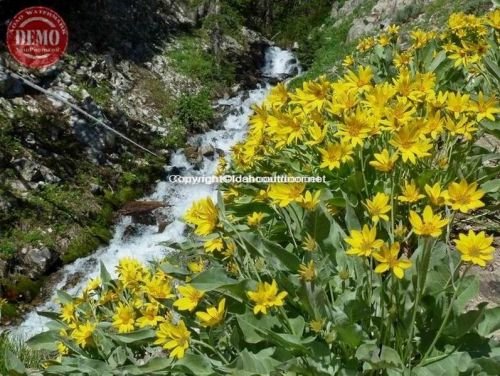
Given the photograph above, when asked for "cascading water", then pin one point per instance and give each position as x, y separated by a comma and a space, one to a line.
147, 246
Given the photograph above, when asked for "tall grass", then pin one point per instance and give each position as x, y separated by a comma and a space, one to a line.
29, 357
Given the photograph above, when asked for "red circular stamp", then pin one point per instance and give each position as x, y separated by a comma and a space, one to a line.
37, 37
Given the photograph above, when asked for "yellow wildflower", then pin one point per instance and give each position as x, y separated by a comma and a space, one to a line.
124, 318
429, 224
173, 337
378, 207
130, 271
309, 243
190, 297
214, 244
285, 193
266, 296
464, 196
255, 219
68, 312
196, 266
307, 271
475, 248
384, 161
317, 325
82, 334
485, 108
204, 215
388, 260
436, 194
213, 315
363, 242
150, 316
310, 201
335, 154
410, 193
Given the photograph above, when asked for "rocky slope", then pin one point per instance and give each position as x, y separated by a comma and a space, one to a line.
146, 68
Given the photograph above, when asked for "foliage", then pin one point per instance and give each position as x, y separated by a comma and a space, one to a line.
194, 110
361, 272
9, 346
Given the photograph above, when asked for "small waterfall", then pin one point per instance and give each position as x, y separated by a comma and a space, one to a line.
146, 246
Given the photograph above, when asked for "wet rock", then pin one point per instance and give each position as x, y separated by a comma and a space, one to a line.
130, 232
141, 211
193, 156
10, 87
35, 261
33, 172
207, 150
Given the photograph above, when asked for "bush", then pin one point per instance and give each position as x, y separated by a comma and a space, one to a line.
362, 272
194, 110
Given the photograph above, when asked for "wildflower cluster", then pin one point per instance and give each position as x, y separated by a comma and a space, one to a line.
368, 271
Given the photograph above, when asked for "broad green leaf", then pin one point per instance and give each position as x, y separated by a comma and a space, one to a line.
448, 365
490, 322
44, 341
212, 279
469, 290
136, 336
254, 328
13, 364
195, 364
286, 259
351, 334
379, 357
491, 186
105, 276
260, 363
64, 297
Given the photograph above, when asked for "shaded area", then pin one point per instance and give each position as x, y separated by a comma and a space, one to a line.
131, 29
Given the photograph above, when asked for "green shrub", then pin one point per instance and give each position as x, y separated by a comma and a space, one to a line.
193, 110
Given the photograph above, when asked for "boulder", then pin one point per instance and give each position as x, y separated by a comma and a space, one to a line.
35, 262
141, 211
10, 87
33, 172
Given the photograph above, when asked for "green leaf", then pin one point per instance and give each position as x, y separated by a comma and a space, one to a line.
44, 341
212, 279
260, 363
462, 324
491, 186
196, 364
379, 358
174, 270
351, 334
13, 364
105, 276
490, 322
452, 364
286, 259
254, 328
318, 224
138, 335
468, 292
440, 57
64, 297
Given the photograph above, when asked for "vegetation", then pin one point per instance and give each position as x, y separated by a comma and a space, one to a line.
362, 272
26, 357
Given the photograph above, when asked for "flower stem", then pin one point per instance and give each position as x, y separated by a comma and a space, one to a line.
446, 317
215, 351
421, 277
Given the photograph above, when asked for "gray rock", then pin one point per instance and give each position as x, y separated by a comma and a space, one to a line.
35, 261
33, 172
207, 150
10, 87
